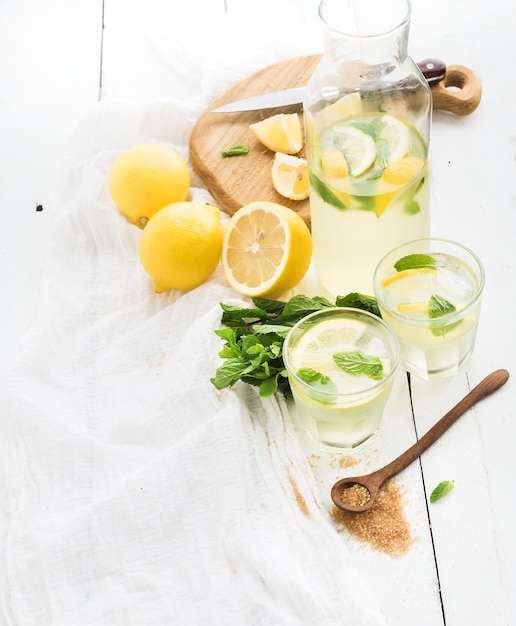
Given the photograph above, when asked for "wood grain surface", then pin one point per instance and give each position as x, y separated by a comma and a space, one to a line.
236, 181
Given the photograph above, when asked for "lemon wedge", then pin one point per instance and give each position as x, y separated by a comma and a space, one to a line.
280, 133
290, 176
333, 164
358, 148
267, 249
402, 171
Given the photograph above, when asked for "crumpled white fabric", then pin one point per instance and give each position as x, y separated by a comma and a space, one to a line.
138, 494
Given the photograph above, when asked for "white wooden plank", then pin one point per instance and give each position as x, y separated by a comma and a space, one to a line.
472, 159
50, 77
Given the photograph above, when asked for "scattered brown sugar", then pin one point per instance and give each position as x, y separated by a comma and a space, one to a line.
384, 526
356, 495
301, 502
344, 461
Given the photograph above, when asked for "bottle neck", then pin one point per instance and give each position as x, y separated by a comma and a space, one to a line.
372, 32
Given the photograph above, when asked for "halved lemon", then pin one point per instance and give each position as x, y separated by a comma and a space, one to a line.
290, 176
280, 133
267, 249
397, 136
358, 148
406, 274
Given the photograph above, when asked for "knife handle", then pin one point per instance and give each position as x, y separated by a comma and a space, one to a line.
465, 93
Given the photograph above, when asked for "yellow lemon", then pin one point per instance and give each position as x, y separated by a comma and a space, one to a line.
146, 178
290, 176
280, 133
267, 249
181, 244
346, 106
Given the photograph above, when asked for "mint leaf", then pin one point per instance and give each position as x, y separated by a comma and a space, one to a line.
316, 379
360, 301
441, 490
415, 261
358, 364
268, 387
235, 151
437, 307
412, 207
325, 192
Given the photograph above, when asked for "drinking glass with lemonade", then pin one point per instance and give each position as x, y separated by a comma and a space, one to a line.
429, 292
341, 364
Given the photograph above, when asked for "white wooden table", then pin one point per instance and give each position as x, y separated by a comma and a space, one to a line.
60, 58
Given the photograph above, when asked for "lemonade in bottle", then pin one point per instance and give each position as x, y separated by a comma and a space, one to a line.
367, 123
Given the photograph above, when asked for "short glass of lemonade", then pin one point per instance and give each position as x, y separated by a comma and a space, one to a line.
429, 292
341, 364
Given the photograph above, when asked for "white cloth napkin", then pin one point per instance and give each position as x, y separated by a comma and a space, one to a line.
138, 494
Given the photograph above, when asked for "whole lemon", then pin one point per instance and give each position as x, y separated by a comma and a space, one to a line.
181, 245
146, 178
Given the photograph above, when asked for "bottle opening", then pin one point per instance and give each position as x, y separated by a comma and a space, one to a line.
364, 18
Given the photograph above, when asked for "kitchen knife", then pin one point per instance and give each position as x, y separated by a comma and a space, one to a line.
433, 70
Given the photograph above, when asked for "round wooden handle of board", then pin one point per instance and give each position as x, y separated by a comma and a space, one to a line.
459, 92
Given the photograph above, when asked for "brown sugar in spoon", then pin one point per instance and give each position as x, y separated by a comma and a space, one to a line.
358, 493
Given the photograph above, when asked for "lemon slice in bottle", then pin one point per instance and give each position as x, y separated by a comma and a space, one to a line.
397, 136
358, 148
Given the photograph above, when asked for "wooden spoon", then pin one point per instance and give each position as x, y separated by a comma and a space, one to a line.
364, 489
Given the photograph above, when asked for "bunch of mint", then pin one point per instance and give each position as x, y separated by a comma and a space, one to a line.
254, 336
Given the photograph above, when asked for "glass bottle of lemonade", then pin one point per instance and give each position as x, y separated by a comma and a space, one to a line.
367, 123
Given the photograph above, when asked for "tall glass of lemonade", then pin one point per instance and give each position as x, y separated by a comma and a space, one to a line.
367, 124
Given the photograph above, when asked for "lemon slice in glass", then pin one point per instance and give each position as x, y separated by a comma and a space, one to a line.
358, 148
290, 176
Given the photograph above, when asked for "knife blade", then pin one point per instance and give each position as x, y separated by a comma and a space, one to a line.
433, 70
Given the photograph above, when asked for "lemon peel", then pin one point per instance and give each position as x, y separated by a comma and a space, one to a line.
145, 178
181, 244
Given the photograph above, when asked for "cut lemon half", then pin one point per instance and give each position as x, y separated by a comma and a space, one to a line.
397, 136
267, 249
358, 148
406, 274
280, 133
290, 176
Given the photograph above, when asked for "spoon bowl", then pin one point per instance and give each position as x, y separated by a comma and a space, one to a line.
358, 493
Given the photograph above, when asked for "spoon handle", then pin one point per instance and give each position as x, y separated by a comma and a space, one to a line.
490, 383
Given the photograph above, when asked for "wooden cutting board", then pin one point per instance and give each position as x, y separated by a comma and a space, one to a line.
236, 181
